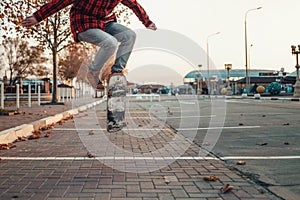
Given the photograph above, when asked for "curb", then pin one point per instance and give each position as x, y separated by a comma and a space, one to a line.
256, 98
10, 135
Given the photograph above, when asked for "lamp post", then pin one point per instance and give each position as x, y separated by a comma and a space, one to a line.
199, 85
246, 47
207, 59
228, 67
297, 84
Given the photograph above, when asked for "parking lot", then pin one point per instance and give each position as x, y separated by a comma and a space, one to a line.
264, 134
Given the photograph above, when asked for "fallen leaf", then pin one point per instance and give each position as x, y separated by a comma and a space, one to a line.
22, 138
169, 179
226, 188
286, 143
33, 137
4, 147
37, 132
211, 178
91, 155
240, 162
241, 124
12, 145
261, 143
286, 124
91, 132
263, 115
16, 140
47, 134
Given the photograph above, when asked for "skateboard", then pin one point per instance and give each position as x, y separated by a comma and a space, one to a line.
116, 94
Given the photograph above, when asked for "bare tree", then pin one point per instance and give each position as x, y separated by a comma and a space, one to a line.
53, 33
22, 59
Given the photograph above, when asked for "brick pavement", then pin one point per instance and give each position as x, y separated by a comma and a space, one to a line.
34, 113
58, 167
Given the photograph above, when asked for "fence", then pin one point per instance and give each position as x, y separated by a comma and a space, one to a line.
80, 90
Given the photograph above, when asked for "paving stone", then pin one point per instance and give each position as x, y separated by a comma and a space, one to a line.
91, 179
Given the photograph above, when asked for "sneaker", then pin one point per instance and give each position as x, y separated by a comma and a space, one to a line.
116, 69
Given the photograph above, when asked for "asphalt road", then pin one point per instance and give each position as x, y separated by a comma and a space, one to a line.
264, 134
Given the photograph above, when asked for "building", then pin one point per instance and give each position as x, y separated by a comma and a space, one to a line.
218, 80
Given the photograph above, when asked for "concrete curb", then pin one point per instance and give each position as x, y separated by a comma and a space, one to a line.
252, 97
10, 135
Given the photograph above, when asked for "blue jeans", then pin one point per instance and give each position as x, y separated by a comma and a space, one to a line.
108, 41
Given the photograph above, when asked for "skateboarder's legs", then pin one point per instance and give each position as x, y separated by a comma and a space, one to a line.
126, 37
108, 42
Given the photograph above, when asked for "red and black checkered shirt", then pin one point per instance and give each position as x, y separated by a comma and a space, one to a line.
87, 14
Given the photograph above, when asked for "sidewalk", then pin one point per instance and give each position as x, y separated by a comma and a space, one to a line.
66, 166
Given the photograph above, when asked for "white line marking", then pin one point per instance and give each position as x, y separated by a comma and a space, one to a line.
259, 157
104, 129
151, 129
179, 117
108, 158
212, 128
234, 101
184, 117
155, 158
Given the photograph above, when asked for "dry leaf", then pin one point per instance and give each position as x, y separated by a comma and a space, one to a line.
211, 178
91, 132
240, 162
47, 134
4, 146
22, 138
33, 137
91, 155
226, 188
261, 143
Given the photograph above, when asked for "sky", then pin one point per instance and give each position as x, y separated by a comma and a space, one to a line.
271, 31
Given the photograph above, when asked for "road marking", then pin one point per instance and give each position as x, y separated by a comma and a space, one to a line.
183, 117
234, 101
179, 117
212, 128
151, 129
156, 158
108, 158
259, 157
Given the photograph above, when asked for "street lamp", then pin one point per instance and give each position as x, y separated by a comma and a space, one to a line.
297, 84
199, 85
228, 67
246, 46
207, 59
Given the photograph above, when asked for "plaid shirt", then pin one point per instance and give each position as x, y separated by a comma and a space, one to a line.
87, 14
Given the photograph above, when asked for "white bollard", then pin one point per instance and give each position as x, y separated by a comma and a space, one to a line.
29, 96
39, 95
35, 87
2, 96
17, 96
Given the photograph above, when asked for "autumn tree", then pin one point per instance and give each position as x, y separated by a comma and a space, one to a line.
53, 33
22, 59
75, 58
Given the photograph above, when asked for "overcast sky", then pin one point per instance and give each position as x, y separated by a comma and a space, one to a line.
271, 30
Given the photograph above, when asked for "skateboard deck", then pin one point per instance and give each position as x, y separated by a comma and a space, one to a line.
116, 94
